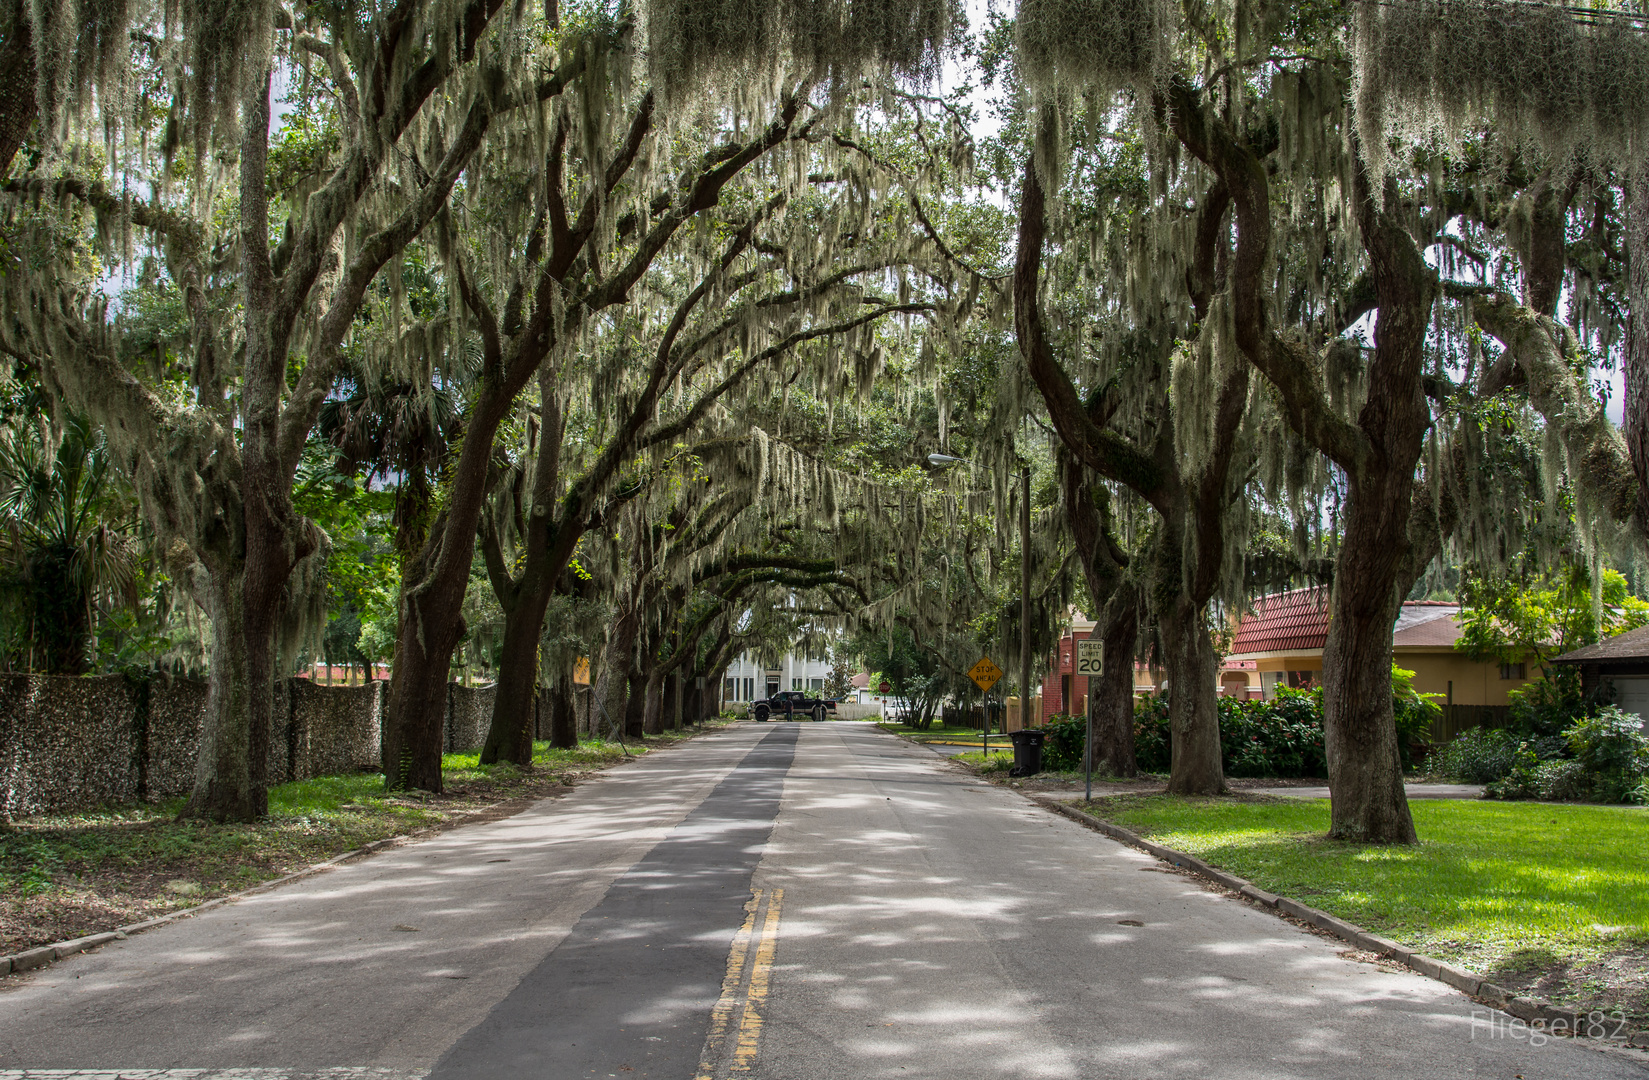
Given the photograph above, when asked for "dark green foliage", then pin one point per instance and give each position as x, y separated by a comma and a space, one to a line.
1063, 750
1607, 761
1476, 756
1151, 734
1281, 737
1548, 705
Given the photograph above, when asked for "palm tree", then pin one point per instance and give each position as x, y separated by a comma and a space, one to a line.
59, 552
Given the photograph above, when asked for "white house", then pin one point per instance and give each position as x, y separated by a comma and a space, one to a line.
748, 680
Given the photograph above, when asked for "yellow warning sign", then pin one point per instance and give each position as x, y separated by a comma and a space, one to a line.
581, 671
984, 674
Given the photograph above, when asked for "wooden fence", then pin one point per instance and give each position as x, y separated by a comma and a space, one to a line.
1457, 718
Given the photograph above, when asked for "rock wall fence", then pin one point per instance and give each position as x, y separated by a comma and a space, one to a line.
70, 744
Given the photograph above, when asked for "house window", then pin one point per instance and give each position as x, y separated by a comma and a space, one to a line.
815, 684
795, 684
1302, 680
1514, 671
730, 689
749, 690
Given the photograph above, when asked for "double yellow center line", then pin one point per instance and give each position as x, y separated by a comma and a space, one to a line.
736, 1021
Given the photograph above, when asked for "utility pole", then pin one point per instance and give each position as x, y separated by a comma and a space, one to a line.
1025, 599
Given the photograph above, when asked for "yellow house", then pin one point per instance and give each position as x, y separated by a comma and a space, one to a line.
1284, 634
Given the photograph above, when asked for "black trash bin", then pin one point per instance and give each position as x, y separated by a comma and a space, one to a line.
1027, 751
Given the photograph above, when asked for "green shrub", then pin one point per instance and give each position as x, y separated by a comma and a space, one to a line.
1475, 756
1610, 741
1151, 734
1550, 704
1062, 752
1610, 764
1413, 712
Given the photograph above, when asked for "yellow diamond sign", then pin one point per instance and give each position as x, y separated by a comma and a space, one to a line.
984, 674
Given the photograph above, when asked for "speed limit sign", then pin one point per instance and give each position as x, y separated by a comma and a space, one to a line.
1090, 657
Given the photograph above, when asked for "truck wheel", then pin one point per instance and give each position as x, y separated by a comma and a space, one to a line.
761, 714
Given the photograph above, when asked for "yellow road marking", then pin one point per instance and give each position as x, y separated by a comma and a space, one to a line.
750, 1027
743, 989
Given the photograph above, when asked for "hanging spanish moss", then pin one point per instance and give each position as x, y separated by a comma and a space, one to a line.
1091, 48
704, 46
1537, 75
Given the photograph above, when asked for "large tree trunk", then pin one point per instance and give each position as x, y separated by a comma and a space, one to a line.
652, 721
526, 599
563, 733
432, 597
635, 705
231, 776
1637, 342
1116, 600
509, 736
416, 711
612, 685
1365, 776
230, 783
1365, 772
1193, 704
1111, 696
17, 82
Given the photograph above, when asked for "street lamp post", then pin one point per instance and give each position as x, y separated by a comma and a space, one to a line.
1025, 598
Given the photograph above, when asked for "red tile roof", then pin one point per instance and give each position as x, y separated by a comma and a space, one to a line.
1282, 622
1298, 620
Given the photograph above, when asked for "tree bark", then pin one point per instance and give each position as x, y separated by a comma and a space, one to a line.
563, 733
1379, 454
17, 83
1189, 507
611, 686
652, 722
229, 784
430, 625
509, 735
635, 705
1111, 696
1116, 617
1636, 405
527, 598
1193, 707
1365, 776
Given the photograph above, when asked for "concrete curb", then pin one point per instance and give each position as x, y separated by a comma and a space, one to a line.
1534, 1011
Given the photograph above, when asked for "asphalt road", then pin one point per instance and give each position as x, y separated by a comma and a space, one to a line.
791, 902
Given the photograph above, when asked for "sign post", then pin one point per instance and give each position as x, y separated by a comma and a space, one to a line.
984, 675
1090, 661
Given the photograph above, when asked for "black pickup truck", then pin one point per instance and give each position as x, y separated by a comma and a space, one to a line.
791, 702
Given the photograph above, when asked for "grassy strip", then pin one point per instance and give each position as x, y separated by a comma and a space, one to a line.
943, 733
64, 876
1549, 899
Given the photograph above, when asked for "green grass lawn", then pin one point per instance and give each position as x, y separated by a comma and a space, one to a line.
1538, 895
943, 733
65, 875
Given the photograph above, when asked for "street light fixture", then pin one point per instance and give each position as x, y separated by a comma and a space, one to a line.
945, 461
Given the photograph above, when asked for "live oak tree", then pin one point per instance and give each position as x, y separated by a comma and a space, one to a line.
180, 103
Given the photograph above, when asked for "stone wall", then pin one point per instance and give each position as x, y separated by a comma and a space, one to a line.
176, 709
334, 729
65, 743
469, 715
75, 743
